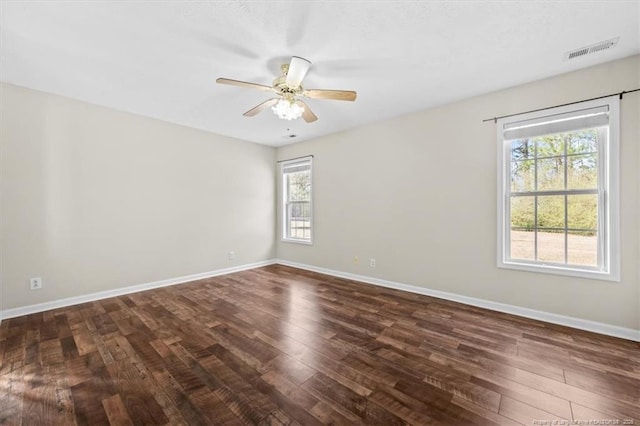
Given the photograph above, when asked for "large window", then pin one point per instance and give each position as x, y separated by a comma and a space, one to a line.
296, 200
558, 190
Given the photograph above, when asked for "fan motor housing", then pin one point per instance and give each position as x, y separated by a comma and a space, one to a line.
280, 84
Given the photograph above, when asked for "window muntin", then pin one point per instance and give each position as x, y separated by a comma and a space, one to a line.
297, 200
558, 200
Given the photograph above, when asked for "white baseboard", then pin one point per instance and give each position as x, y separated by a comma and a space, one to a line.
582, 324
61, 303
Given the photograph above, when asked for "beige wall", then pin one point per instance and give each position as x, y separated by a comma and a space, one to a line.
418, 194
95, 199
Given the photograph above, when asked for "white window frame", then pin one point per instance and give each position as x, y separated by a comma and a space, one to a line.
284, 197
608, 203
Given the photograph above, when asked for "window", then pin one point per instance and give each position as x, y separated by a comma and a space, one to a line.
296, 200
558, 190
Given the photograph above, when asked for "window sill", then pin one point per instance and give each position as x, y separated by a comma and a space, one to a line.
560, 270
296, 241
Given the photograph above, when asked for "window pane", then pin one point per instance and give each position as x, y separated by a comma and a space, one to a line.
550, 173
522, 176
583, 141
550, 145
523, 213
582, 211
582, 171
551, 246
522, 149
550, 211
583, 249
522, 223
299, 185
523, 245
299, 224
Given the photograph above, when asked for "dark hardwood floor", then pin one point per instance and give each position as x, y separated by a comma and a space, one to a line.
278, 345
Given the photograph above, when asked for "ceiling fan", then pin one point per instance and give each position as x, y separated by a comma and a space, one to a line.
288, 88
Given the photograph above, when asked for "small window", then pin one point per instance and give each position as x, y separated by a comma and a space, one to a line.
558, 190
296, 200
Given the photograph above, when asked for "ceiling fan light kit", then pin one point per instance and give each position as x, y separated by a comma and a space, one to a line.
289, 87
287, 109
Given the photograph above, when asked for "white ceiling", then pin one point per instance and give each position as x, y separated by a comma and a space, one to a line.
161, 58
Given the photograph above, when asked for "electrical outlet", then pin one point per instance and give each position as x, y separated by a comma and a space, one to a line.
36, 283
372, 262
232, 255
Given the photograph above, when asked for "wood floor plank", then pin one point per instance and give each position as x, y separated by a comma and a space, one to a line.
116, 411
129, 379
514, 390
527, 414
39, 399
451, 381
328, 415
615, 407
12, 401
286, 404
489, 416
282, 346
584, 415
215, 410
177, 405
505, 364
294, 370
87, 397
605, 383
337, 395
409, 410
242, 389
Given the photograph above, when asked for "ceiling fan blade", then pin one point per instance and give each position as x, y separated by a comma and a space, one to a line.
338, 95
308, 115
298, 68
244, 84
257, 109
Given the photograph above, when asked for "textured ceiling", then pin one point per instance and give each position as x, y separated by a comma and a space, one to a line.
161, 58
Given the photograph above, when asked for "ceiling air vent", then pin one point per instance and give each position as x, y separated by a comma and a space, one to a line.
603, 45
